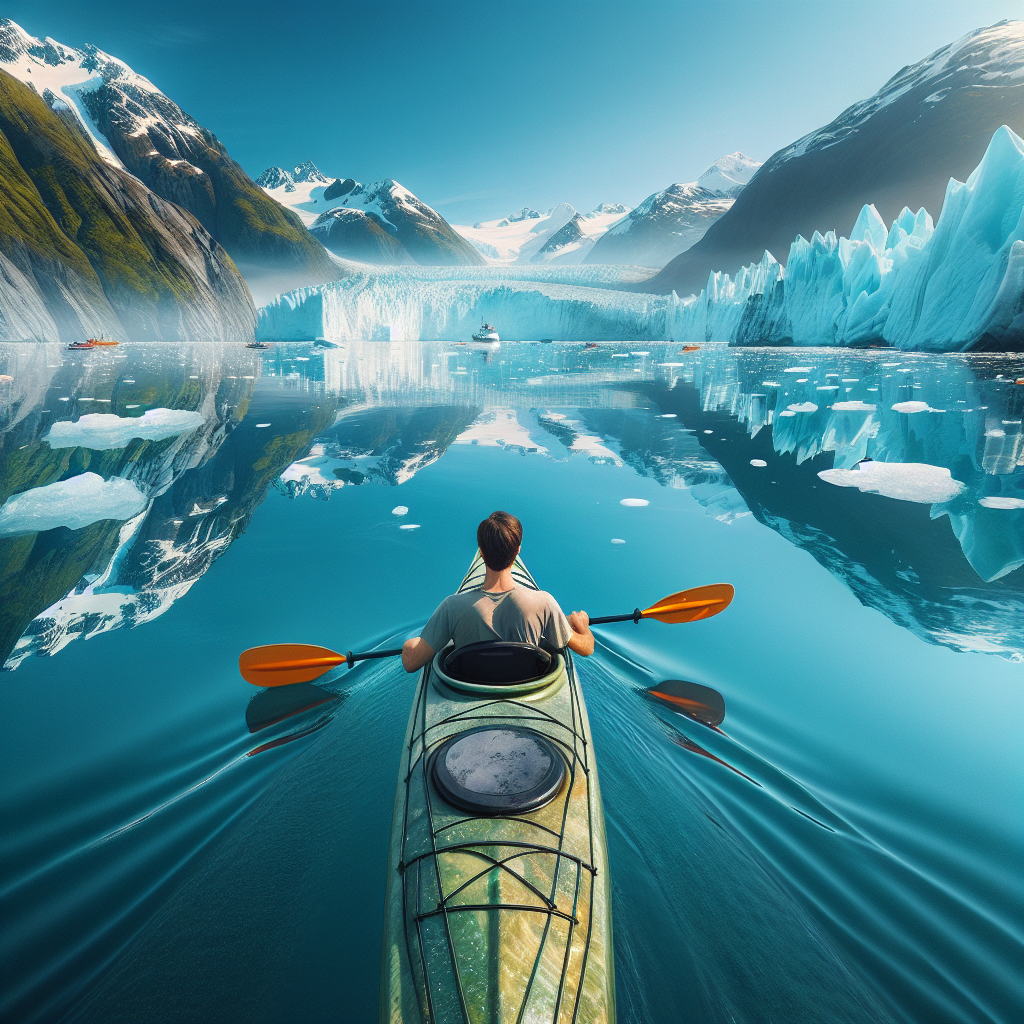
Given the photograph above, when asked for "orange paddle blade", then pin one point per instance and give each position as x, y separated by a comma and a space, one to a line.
283, 664
690, 605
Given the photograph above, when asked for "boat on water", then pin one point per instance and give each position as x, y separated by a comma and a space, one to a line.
261, 345
689, 348
487, 333
498, 903
103, 342
79, 346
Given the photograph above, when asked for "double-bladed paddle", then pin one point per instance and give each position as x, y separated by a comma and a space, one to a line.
285, 664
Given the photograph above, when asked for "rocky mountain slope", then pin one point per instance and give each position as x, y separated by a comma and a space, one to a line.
135, 127
86, 248
669, 222
379, 222
931, 121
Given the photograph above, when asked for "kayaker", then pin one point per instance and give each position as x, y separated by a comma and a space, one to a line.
499, 610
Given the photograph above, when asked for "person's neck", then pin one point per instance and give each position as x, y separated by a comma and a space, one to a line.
498, 581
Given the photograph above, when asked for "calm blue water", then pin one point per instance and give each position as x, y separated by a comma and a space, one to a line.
849, 852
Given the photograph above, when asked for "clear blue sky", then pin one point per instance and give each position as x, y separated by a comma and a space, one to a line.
485, 106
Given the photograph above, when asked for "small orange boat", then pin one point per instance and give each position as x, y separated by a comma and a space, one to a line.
689, 348
102, 341
77, 346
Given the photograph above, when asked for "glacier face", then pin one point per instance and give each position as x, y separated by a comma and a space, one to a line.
954, 285
448, 303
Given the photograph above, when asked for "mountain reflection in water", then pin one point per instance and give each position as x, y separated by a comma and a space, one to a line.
179, 846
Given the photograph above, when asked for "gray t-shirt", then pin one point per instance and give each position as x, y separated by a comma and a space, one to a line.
519, 614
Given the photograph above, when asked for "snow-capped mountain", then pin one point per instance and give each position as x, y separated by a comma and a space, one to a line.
133, 126
931, 121
669, 222
379, 222
562, 235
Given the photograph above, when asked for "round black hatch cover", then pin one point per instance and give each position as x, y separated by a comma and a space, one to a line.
503, 770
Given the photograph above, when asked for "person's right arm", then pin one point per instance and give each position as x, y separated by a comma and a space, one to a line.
417, 651
582, 640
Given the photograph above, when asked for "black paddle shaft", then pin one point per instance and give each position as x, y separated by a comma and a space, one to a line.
635, 616
366, 655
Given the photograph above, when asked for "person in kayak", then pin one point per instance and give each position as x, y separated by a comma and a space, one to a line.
499, 610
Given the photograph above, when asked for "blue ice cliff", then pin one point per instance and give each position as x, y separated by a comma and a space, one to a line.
954, 285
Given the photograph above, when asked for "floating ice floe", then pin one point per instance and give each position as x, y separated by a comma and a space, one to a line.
262, 424
668, 416
999, 502
798, 369
759, 463
907, 481
634, 502
74, 503
102, 431
853, 407
618, 540
803, 407
912, 407
410, 526
400, 510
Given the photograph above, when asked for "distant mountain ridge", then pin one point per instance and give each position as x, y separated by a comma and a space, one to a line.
561, 235
135, 127
669, 222
930, 122
378, 222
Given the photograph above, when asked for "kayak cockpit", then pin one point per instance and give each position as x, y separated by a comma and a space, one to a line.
499, 669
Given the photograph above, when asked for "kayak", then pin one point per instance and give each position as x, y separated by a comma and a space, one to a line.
498, 905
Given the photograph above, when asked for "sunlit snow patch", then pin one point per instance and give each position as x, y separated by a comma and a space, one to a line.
997, 502
907, 481
400, 510
634, 502
102, 431
74, 503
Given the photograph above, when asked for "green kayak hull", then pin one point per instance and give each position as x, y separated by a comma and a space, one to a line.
498, 920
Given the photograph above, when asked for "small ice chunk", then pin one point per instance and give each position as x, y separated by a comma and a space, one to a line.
80, 501
911, 407
63, 399
410, 526
998, 502
618, 540
668, 416
758, 462
907, 481
853, 407
803, 407
798, 369
995, 432
708, 431
262, 425
101, 431
639, 353
850, 380
620, 355
787, 412
634, 502
802, 380
400, 510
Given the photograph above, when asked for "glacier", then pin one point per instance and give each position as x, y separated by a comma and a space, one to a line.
950, 286
955, 284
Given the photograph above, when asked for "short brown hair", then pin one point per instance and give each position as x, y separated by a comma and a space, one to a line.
498, 538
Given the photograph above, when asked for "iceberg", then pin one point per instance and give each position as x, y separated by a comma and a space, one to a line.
80, 501
950, 286
907, 481
102, 431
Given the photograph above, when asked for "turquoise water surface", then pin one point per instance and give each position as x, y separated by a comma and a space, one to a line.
847, 850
